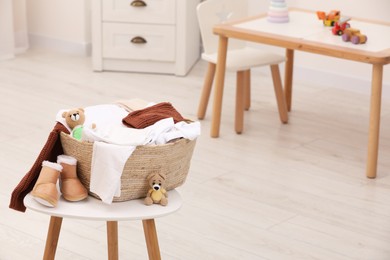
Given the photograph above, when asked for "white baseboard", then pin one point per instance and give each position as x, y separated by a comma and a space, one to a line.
39, 41
6, 57
21, 42
326, 78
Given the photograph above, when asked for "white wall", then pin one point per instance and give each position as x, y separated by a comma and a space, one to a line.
63, 24
7, 42
368, 9
20, 25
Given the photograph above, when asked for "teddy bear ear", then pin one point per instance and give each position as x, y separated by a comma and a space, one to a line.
150, 175
64, 114
163, 176
82, 109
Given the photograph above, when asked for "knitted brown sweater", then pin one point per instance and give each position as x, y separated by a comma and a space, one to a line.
148, 116
49, 152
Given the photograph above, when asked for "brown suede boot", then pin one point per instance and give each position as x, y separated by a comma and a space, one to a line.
71, 187
45, 189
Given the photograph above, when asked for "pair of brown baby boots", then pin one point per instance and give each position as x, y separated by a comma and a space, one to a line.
45, 190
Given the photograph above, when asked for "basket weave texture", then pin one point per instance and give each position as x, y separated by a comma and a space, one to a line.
172, 159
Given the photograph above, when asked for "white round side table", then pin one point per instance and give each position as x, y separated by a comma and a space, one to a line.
94, 209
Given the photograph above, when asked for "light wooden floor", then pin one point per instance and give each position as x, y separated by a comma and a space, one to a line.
295, 191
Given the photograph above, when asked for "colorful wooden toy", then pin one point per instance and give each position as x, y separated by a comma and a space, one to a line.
329, 19
354, 35
278, 12
341, 25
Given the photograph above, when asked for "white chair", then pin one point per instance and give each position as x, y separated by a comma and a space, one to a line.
240, 58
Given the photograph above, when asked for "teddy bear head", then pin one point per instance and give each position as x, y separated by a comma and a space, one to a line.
74, 117
156, 180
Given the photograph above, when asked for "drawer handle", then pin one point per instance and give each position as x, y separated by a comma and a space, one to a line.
138, 3
138, 40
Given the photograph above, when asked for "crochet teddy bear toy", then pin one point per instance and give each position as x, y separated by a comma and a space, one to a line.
75, 119
157, 194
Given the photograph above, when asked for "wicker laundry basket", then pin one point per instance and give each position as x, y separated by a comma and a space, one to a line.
172, 159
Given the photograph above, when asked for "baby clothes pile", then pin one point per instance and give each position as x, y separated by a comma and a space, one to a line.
120, 128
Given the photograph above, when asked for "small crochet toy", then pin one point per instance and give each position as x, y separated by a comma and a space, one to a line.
157, 194
75, 119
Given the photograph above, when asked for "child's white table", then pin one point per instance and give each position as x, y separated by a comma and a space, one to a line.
305, 33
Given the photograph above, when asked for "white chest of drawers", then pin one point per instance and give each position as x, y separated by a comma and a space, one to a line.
152, 36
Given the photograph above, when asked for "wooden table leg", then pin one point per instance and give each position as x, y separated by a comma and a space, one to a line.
151, 239
112, 240
219, 84
247, 88
288, 77
52, 238
240, 89
375, 114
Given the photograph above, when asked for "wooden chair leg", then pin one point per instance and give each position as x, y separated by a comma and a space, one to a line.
280, 98
239, 120
151, 239
288, 77
207, 85
112, 240
247, 89
52, 238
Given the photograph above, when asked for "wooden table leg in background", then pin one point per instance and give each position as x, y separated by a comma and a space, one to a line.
247, 88
52, 238
288, 77
219, 83
112, 240
375, 114
151, 239
239, 116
